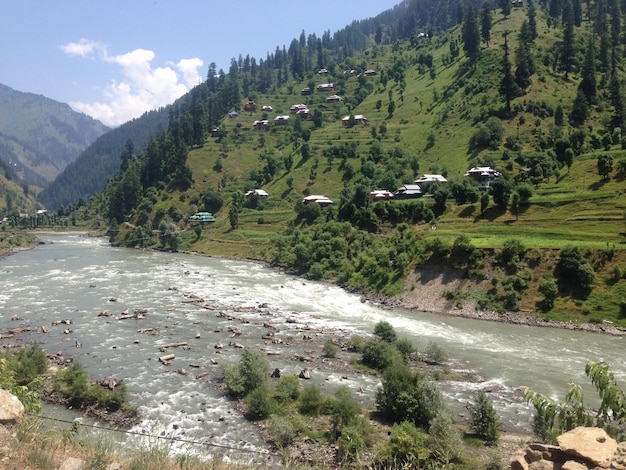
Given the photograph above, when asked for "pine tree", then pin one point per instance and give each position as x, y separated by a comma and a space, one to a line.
617, 101
580, 109
588, 73
567, 48
508, 88
506, 7
485, 23
524, 63
471, 37
532, 20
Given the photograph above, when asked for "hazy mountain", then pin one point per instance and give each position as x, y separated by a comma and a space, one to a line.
39, 137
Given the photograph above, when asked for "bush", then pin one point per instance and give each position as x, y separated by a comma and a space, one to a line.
550, 292
28, 363
311, 401
385, 331
445, 440
283, 430
435, 353
259, 404
350, 443
404, 394
287, 389
407, 447
574, 271
483, 419
330, 349
379, 354
344, 410
252, 372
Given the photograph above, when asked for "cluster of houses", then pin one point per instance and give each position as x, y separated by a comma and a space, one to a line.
301, 109
482, 175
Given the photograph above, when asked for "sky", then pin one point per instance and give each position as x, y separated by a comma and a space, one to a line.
113, 60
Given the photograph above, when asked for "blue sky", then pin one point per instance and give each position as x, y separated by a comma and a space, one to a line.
115, 59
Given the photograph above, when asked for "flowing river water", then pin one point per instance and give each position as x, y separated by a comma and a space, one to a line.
76, 278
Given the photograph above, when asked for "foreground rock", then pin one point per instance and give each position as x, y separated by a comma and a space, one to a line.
11, 408
579, 449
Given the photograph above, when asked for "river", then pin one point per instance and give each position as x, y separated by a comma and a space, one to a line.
76, 278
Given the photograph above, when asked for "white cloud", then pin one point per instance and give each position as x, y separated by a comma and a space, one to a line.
140, 87
83, 48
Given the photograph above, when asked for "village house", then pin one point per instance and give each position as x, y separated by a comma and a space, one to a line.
298, 107
322, 201
250, 106
325, 87
369, 73
380, 195
257, 192
359, 119
408, 191
261, 125
323, 71
426, 180
483, 175
306, 91
233, 114
267, 108
334, 99
281, 120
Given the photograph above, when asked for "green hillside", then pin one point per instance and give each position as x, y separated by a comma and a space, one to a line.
39, 137
549, 238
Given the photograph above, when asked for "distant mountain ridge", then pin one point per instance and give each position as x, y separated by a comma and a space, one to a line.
39, 136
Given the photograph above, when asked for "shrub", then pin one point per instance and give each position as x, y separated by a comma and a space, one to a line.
385, 331
344, 410
550, 292
311, 400
574, 271
434, 352
404, 394
444, 439
259, 404
405, 347
283, 430
252, 372
330, 349
484, 420
407, 447
28, 363
287, 389
379, 354
350, 443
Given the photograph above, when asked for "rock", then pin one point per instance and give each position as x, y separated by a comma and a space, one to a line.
519, 463
541, 465
573, 465
11, 408
592, 444
276, 373
72, 463
305, 374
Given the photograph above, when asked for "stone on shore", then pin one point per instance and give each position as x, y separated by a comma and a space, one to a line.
11, 408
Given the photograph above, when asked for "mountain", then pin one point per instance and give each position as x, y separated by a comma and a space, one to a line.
39, 137
101, 160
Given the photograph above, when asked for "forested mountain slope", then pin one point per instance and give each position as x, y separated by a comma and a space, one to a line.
533, 92
39, 137
96, 164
